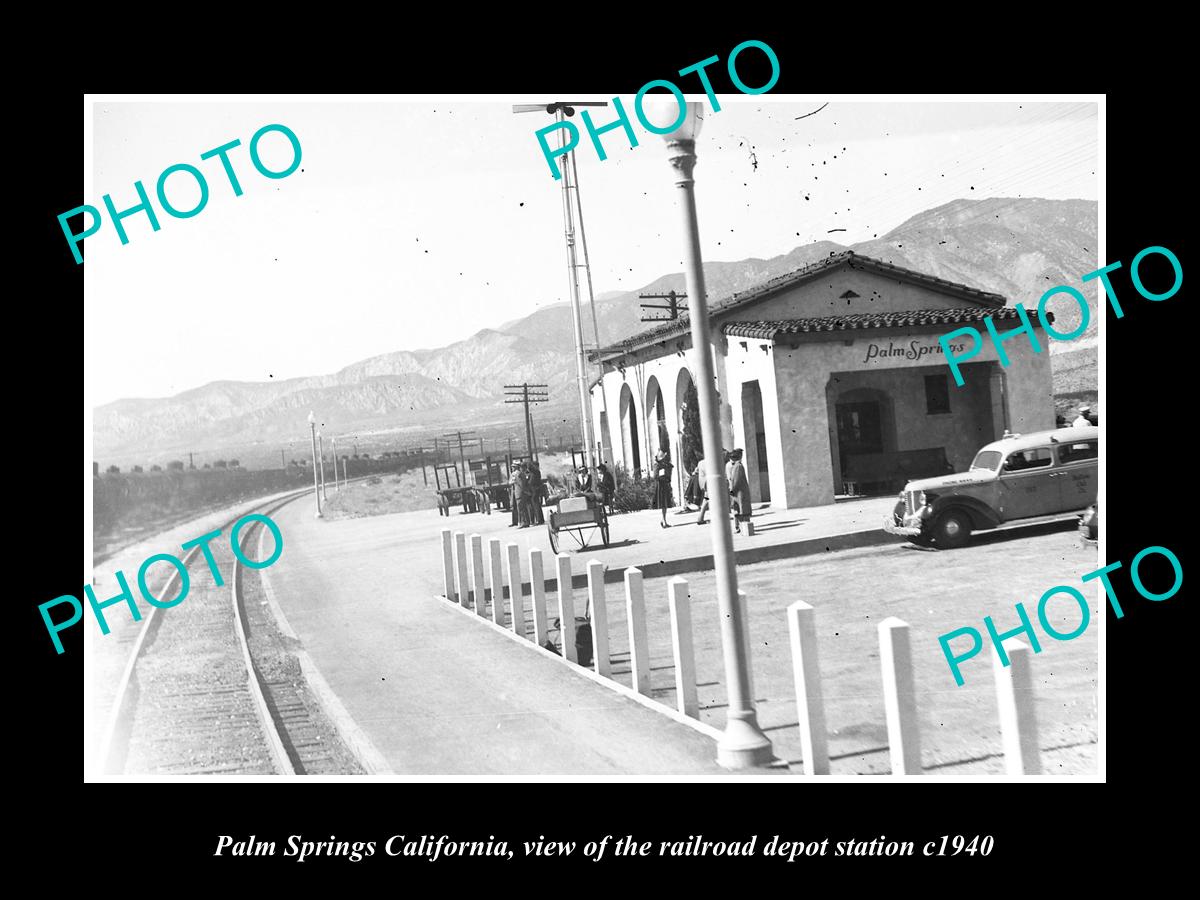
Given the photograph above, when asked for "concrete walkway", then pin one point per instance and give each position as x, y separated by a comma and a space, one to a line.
638, 539
437, 693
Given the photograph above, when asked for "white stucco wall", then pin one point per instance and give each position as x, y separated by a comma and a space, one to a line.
794, 382
803, 373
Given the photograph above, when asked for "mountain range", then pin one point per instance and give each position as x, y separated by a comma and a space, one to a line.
1015, 247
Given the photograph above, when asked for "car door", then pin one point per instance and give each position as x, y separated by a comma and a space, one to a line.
1076, 474
1028, 484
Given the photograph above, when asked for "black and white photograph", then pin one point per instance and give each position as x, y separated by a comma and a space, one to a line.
669, 437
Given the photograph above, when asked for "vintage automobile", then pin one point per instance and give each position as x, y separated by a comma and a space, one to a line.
1040, 475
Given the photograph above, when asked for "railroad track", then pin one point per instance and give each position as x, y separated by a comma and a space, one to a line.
211, 686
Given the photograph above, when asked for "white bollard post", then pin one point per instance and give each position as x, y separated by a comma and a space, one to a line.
744, 605
635, 615
537, 596
600, 657
814, 743
899, 696
685, 654
477, 586
448, 565
515, 603
497, 580
1018, 720
566, 608
460, 548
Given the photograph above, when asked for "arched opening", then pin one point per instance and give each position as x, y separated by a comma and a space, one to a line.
656, 420
630, 440
687, 421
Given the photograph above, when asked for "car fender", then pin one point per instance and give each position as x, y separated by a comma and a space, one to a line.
982, 515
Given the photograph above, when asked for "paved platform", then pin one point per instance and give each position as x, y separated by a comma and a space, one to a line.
436, 693
638, 539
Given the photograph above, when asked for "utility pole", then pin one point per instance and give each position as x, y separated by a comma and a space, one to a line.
461, 455
527, 394
671, 306
337, 485
191, 460
282, 461
424, 474
312, 430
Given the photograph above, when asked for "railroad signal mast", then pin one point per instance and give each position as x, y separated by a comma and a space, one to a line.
561, 109
527, 394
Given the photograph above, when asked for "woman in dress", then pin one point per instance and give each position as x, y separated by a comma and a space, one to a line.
662, 482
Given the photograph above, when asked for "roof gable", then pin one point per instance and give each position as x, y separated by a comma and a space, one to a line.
740, 301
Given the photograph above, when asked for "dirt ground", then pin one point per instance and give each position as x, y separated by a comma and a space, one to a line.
935, 592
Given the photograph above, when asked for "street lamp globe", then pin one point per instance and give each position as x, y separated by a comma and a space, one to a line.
311, 419
685, 119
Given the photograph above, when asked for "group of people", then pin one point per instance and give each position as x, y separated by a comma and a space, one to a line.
599, 485
598, 488
528, 492
697, 492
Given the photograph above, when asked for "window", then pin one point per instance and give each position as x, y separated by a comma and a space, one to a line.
1028, 459
937, 395
1070, 453
987, 459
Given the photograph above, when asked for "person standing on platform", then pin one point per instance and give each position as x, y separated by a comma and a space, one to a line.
607, 485
517, 480
701, 488
513, 474
537, 495
739, 490
662, 483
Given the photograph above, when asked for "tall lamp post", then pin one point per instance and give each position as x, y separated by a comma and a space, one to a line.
337, 485
743, 744
312, 430
321, 453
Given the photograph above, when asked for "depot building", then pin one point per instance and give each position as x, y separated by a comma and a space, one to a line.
832, 381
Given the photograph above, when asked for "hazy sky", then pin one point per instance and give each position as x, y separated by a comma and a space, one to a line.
416, 223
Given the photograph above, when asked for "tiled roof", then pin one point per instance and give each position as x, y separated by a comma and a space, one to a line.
984, 299
860, 321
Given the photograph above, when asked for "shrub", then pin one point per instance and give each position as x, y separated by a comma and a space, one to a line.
632, 493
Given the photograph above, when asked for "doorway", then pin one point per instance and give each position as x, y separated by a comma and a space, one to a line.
755, 430
859, 429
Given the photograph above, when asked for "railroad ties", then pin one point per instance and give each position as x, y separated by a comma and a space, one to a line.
216, 689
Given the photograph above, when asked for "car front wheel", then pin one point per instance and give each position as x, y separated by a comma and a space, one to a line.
952, 529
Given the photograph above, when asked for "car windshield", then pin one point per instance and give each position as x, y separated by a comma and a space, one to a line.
987, 459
